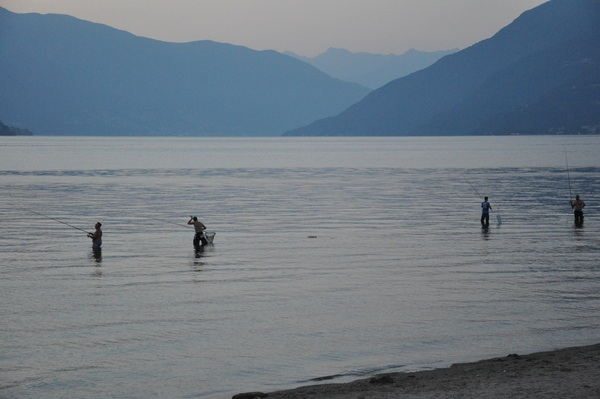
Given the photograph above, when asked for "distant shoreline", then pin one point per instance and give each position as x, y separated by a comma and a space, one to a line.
6, 130
25, 132
565, 373
14, 135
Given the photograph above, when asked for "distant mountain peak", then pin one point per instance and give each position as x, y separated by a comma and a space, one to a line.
528, 78
369, 69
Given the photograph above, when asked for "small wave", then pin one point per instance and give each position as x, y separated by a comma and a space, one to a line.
357, 373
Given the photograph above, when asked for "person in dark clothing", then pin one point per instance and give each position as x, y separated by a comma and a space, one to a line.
577, 207
96, 236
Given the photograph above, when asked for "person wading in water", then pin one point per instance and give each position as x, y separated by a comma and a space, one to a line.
96, 236
485, 212
199, 227
578, 206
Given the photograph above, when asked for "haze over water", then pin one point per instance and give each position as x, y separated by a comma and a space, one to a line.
333, 257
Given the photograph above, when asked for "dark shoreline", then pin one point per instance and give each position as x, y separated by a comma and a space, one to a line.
564, 373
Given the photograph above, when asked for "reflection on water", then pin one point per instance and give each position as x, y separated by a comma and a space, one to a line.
96, 254
199, 252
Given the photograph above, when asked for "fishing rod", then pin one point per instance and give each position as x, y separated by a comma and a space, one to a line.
568, 174
473, 187
59, 221
498, 216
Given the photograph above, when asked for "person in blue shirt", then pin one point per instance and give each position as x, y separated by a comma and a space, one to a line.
486, 207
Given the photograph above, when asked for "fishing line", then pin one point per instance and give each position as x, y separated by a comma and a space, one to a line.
473, 187
568, 175
59, 221
168, 221
498, 216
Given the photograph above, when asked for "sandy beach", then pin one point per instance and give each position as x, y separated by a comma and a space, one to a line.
565, 373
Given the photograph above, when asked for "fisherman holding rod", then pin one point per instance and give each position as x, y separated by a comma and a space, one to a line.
578, 204
96, 236
486, 207
577, 207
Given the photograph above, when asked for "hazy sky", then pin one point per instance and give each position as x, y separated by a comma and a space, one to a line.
306, 27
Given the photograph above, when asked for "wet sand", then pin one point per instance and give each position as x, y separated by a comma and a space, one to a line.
566, 373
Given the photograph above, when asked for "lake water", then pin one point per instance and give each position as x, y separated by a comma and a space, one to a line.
339, 257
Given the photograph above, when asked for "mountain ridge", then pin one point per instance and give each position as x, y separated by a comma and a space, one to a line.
436, 100
61, 75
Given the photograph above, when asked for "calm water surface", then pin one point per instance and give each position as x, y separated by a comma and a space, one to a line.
333, 257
